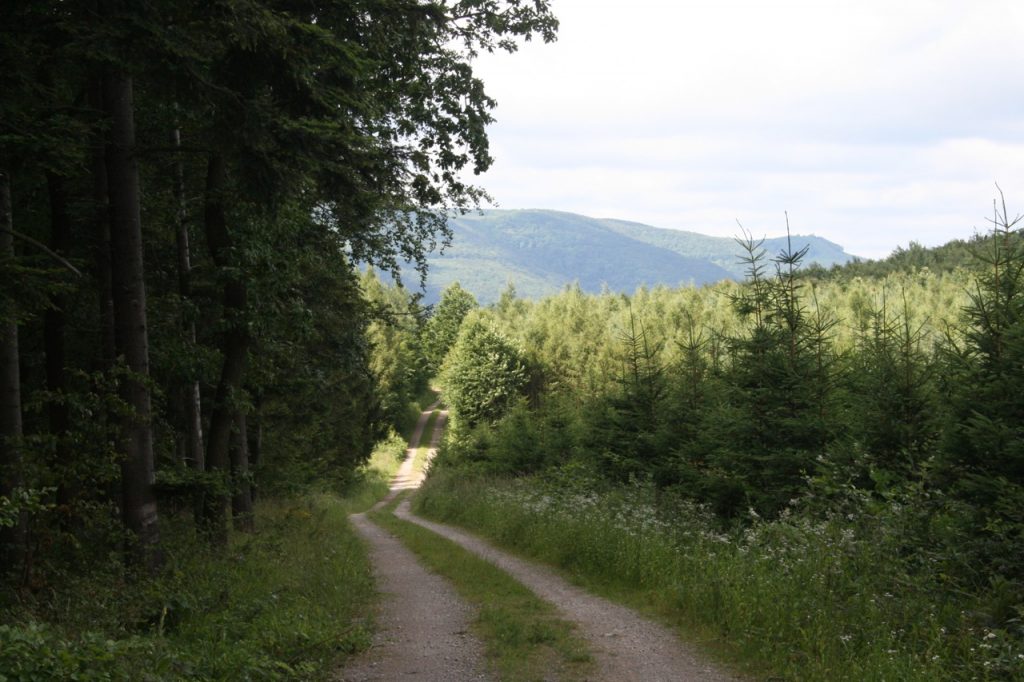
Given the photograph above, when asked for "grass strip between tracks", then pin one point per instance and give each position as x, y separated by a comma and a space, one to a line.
523, 635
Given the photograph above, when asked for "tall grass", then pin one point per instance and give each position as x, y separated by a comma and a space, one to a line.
805, 600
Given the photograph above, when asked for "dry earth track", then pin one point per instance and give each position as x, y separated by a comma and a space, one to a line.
422, 624
625, 646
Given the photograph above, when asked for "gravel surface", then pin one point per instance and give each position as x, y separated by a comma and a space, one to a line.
625, 646
422, 624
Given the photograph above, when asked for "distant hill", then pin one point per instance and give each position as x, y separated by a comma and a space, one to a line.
724, 251
971, 253
543, 251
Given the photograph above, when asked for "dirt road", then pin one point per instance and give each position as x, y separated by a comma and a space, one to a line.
422, 624
625, 645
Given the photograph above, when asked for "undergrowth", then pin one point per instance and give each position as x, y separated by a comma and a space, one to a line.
285, 603
807, 600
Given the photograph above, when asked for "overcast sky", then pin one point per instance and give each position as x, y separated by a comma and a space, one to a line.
873, 123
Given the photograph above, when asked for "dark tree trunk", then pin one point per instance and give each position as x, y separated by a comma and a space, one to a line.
191, 399
193, 452
138, 501
255, 424
235, 344
54, 323
241, 498
101, 218
12, 539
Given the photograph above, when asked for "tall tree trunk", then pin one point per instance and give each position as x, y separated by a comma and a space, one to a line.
241, 498
54, 323
101, 218
12, 538
255, 424
191, 398
235, 344
138, 501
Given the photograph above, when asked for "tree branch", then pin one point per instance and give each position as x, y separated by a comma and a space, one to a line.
43, 247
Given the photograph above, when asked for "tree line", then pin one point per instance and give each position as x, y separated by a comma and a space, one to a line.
793, 393
186, 191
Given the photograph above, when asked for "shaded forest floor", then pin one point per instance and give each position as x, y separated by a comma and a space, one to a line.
288, 602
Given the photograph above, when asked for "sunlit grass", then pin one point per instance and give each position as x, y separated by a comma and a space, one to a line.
420, 463
803, 600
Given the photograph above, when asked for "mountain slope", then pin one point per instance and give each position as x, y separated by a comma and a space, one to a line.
724, 251
542, 251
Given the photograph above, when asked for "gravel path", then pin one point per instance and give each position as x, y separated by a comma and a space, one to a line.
625, 646
422, 623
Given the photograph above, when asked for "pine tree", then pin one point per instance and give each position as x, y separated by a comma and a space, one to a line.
983, 449
775, 420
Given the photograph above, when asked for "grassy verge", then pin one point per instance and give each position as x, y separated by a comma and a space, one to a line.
374, 478
524, 638
285, 603
413, 410
803, 600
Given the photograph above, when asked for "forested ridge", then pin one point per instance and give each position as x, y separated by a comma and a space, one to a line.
187, 190
540, 251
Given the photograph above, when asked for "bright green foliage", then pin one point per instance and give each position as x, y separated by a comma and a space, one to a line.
396, 356
879, 416
442, 329
524, 441
483, 374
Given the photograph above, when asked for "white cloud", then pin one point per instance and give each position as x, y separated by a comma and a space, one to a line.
874, 123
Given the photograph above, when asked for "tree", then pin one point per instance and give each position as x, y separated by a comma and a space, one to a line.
314, 138
138, 500
396, 356
982, 459
442, 328
775, 422
11, 530
632, 423
483, 374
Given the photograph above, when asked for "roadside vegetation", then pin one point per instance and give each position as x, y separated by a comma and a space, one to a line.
290, 602
836, 599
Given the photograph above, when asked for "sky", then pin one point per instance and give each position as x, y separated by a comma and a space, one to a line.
873, 124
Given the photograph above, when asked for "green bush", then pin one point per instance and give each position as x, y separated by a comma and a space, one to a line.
287, 603
483, 374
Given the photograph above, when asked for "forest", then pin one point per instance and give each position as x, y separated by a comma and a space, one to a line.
203, 362
823, 467
187, 193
